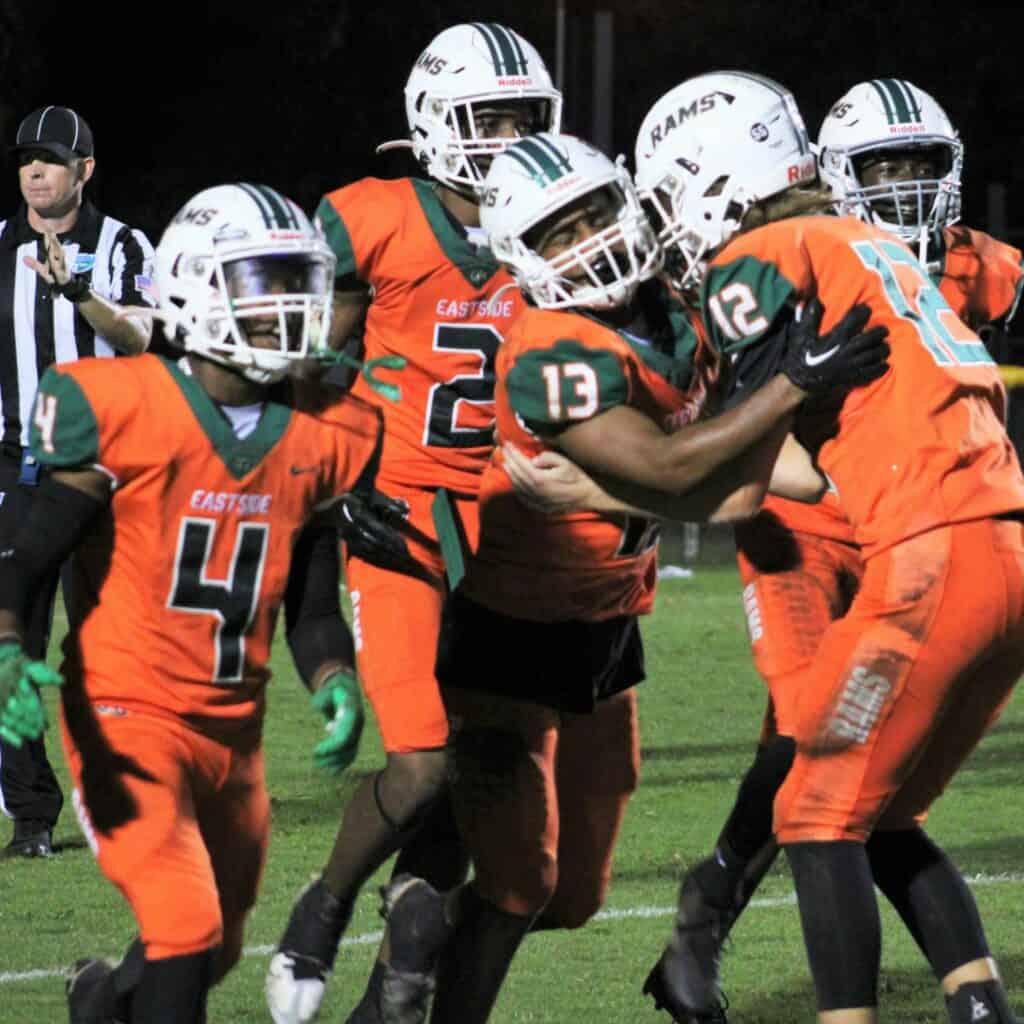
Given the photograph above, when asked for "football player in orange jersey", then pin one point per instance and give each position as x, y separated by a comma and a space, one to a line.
604, 367
184, 490
414, 271
890, 677
889, 152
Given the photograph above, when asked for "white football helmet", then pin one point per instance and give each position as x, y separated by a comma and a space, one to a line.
539, 176
241, 259
709, 149
892, 114
464, 70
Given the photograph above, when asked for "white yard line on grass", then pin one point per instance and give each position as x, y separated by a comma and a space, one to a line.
626, 913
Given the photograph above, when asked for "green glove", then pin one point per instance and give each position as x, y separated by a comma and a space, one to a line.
22, 715
341, 703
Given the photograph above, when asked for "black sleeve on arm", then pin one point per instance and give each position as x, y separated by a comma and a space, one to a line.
314, 628
753, 366
59, 516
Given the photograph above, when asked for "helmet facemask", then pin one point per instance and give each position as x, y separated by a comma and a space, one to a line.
257, 310
914, 209
602, 271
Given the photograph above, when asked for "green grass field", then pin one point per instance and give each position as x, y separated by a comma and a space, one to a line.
700, 715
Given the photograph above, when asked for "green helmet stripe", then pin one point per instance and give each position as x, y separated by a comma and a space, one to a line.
915, 110
787, 98
556, 154
492, 45
886, 102
261, 203
531, 169
522, 68
281, 207
539, 160
897, 109
510, 61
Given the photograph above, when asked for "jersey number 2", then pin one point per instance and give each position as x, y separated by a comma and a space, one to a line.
232, 601
477, 388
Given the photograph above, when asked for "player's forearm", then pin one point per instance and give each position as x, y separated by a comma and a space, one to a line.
730, 493
691, 455
795, 476
129, 335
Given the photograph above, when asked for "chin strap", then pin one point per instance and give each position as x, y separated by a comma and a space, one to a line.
392, 392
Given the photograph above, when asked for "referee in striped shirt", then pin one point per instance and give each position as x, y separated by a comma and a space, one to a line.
62, 266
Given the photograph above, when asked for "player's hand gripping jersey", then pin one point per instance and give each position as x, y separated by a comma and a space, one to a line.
435, 303
924, 445
177, 588
554, 370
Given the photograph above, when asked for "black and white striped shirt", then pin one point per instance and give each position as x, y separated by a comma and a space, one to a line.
38, 327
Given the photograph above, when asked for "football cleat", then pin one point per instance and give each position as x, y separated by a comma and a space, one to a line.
685, 979
418, 928
298, 972
658, 990
80, 988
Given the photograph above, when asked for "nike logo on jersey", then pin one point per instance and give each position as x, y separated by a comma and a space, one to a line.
814, 360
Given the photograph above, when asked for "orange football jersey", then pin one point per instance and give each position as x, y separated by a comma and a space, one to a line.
556, 369
981, 278
436, 303
922, 446
177, 585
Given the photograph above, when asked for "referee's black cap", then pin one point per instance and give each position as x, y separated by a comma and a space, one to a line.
57, 129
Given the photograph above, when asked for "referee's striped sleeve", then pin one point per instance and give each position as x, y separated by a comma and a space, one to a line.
131, 270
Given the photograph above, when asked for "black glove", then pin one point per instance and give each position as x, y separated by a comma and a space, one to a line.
846, 357
370, 525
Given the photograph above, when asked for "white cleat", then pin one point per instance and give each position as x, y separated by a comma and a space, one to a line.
295, 989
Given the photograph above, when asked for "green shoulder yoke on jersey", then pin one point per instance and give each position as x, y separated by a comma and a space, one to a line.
554, 387
477, 265
741, 300
240, 456
64, 432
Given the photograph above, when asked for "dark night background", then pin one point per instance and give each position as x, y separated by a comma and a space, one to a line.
298, 94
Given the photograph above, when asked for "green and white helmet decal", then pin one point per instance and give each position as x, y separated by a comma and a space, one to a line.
464, 71
529, 185
246, 280
882, 116
706, 151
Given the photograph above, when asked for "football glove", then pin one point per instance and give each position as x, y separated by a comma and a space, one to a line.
369, 525
846, 357
338, 699
22, 715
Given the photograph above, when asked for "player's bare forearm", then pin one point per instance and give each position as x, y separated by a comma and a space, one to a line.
795, 476
629, 446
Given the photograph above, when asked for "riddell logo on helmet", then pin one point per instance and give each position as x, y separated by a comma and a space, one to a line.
802, 171
906, 129
515, 81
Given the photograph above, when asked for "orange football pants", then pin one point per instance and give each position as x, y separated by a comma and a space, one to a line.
795, 585
906, 683
396, 620
178, 821
535, 789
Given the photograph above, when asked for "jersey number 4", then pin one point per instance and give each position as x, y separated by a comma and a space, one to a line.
232, 602
447, 399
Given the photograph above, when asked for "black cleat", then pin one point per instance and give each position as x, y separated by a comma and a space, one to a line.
685, 979
81, 988
399, 992
298, 971
656, 988
30, 839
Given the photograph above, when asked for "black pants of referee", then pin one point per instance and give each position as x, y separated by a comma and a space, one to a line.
29, 790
